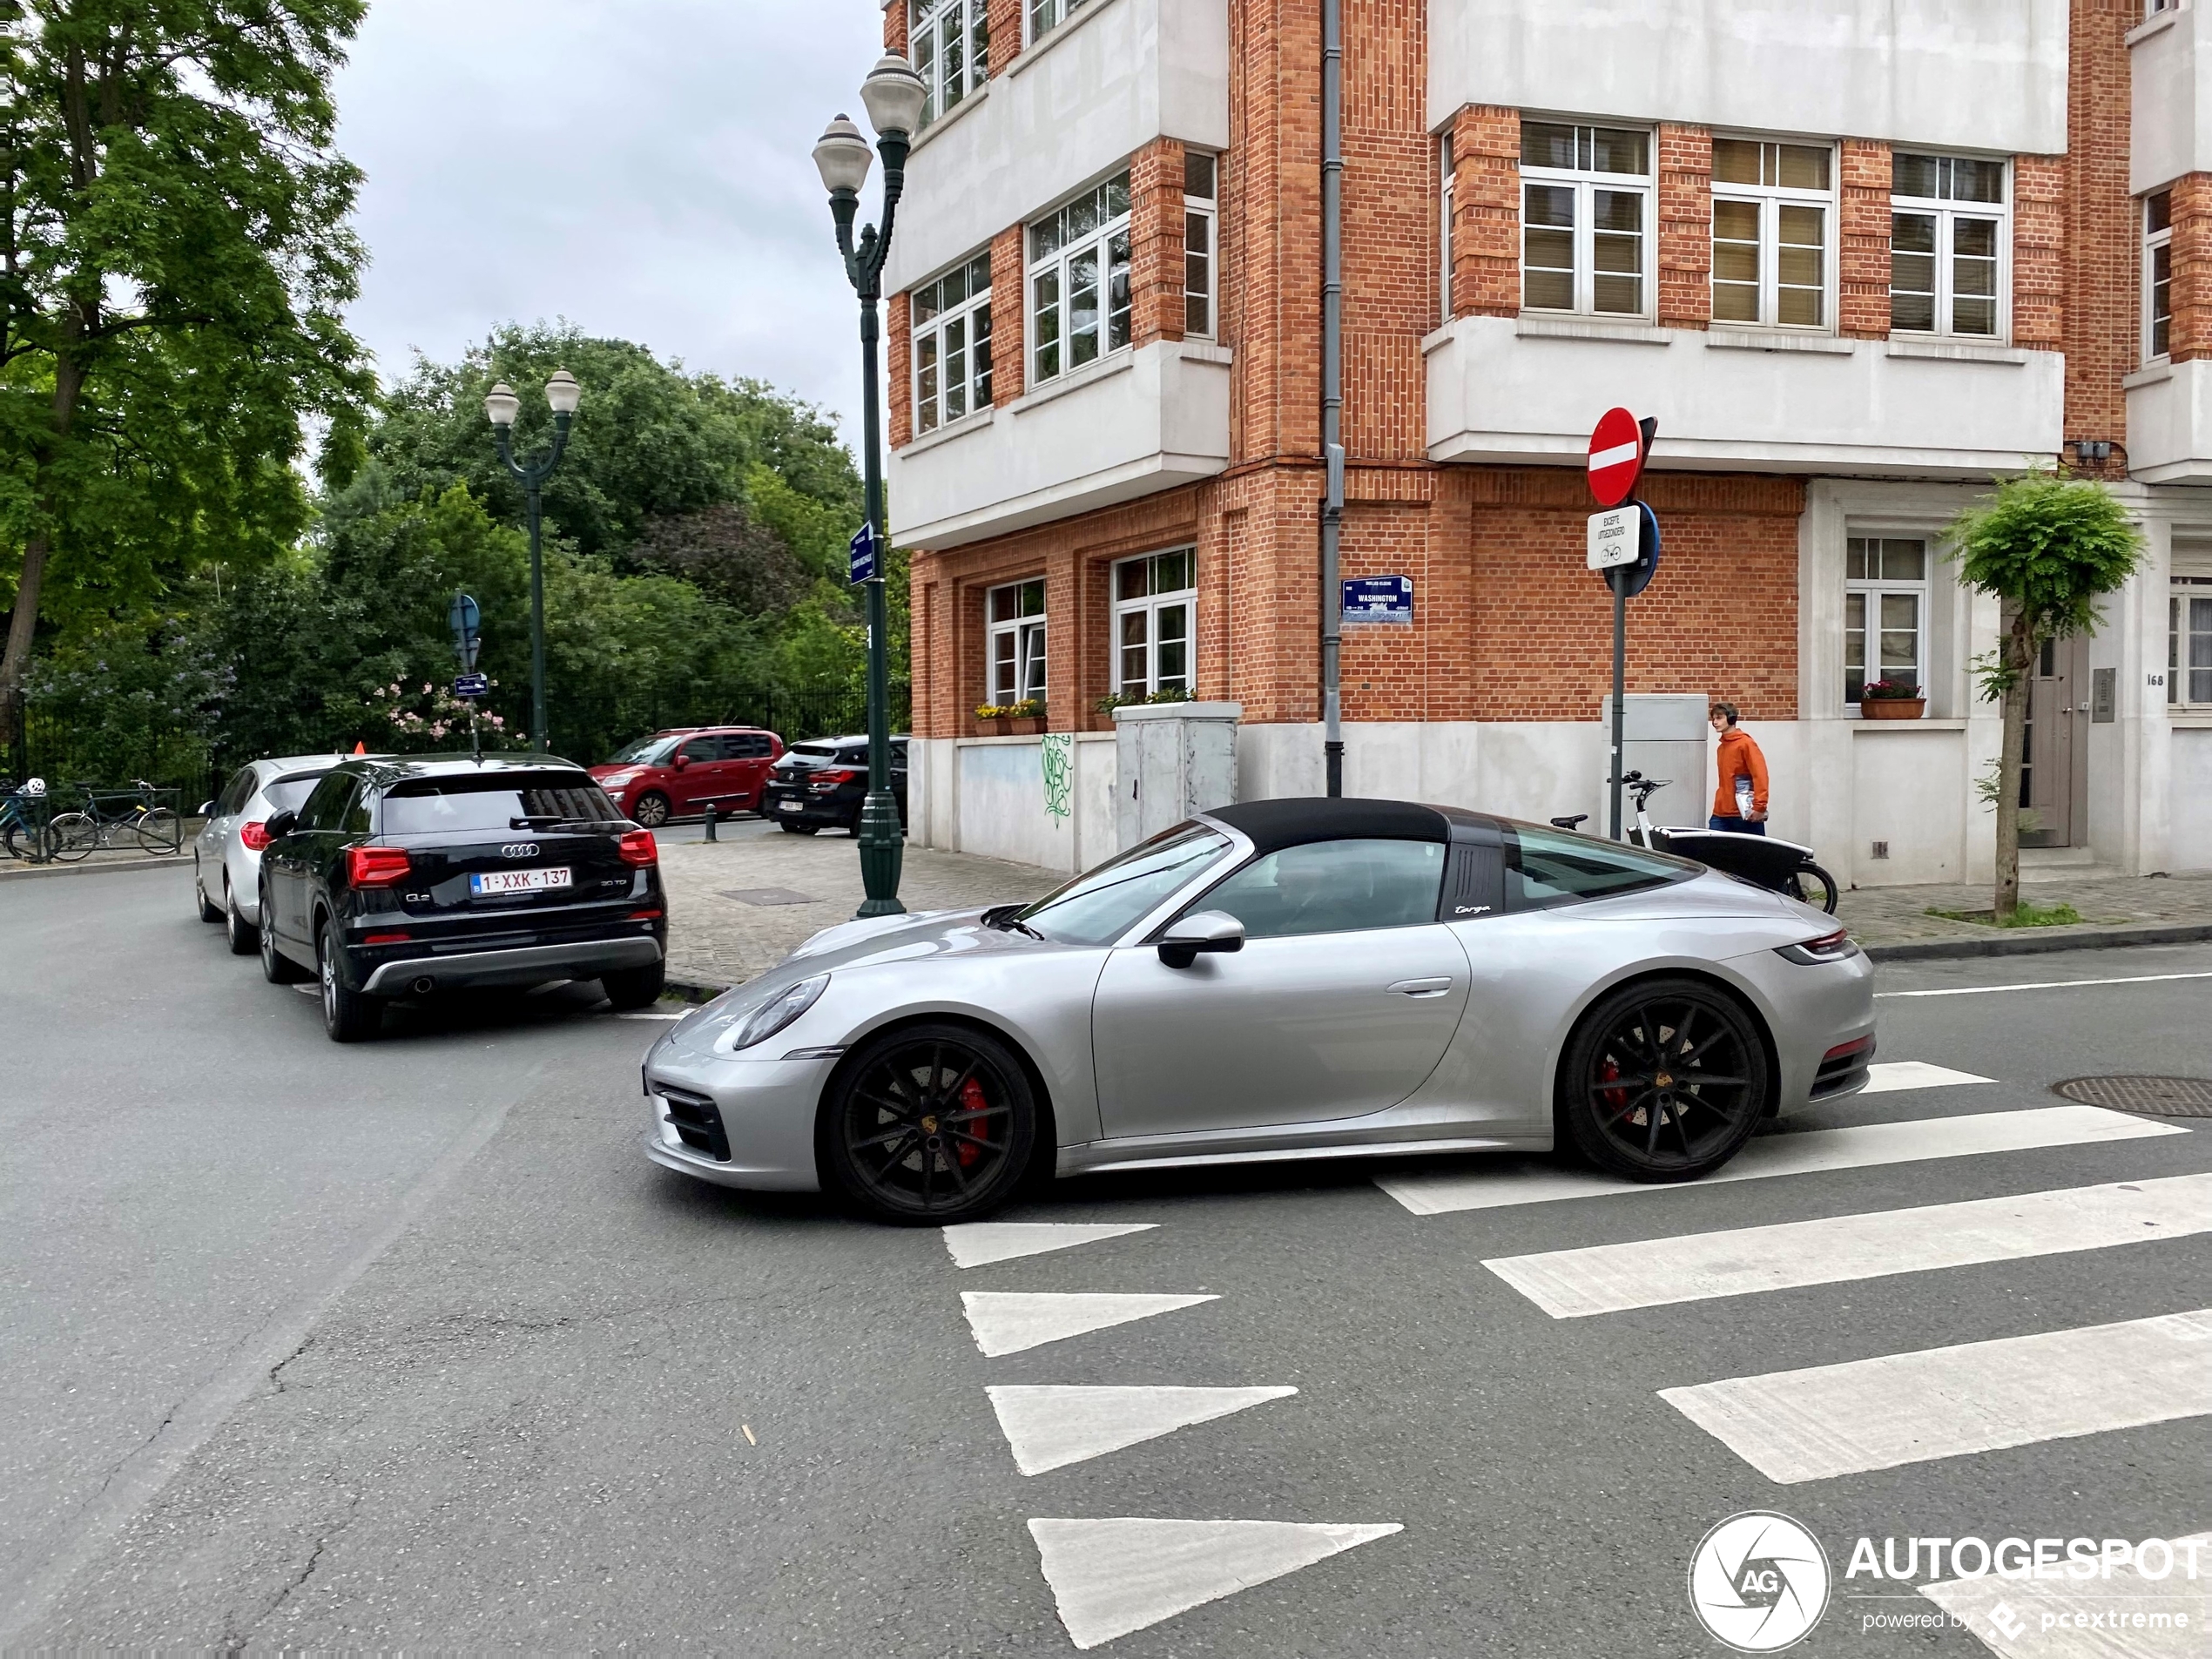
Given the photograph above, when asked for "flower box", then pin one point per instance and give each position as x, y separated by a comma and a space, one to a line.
1892, 708
1025, 726
994, 725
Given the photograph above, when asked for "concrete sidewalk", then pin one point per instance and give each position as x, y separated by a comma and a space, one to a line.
740, 904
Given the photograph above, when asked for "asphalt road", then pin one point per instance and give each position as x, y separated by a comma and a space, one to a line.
405, 1346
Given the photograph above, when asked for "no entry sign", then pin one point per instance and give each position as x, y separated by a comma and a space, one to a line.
1616, 457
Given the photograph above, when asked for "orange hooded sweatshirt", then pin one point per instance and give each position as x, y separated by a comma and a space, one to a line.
1739, 757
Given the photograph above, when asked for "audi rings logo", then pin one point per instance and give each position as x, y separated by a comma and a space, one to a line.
1759, 1581
519, 850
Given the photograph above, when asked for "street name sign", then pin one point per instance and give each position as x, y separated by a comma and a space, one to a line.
469, 686
1378, 598
863, 550
1616, 457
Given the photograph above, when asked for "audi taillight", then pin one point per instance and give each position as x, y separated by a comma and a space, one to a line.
254, 836
639, 850
376, 866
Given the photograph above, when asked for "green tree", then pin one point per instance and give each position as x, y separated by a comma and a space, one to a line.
174, 255
2047, 549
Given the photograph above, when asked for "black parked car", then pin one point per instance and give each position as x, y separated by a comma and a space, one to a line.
405, 876
822, 784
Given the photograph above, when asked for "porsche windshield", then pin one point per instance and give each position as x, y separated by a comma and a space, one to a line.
1099, 905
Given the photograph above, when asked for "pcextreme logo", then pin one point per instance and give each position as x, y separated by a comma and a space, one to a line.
1759, 1583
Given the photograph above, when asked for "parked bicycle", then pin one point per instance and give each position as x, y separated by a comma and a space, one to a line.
23, 820
1764, 861
111, 818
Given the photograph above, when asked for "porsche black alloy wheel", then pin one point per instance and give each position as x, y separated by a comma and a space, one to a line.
933, 1124
1664, 1081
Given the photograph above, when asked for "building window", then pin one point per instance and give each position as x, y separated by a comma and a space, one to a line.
1886, 610
1586, 204
1201, 241
1046, 15
952, 342
1443, 228
1156, 600
1948, 247
1016, 623
1772, 207
2158, 272
1079, 291
2189, 639
950, 44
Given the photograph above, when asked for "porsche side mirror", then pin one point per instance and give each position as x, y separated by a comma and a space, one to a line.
1209, 930
281, 826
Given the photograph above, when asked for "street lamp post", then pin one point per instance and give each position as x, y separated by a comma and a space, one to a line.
894, 95
563, 393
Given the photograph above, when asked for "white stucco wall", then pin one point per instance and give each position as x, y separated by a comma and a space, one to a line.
986, 796
1070, 110
2169, 423
1130, 425
2170, 87
1974, 74
1502, 389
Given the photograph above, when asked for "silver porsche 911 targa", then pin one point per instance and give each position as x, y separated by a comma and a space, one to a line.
1279, 979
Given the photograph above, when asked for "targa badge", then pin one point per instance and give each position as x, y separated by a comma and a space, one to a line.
1759, 1583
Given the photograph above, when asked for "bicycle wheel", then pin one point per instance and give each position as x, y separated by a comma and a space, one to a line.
1814, 886
11, 846
70, 837
160, 831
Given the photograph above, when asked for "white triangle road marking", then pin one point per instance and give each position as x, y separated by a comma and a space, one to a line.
1113, 1576
1008, 1321
1050, 1428
1490, 1186
1888, 1077
978, 1244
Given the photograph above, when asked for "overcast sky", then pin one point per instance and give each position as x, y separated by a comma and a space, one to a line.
641, 168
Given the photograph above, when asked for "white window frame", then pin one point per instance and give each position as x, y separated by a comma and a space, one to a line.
2190, 583
1769, 197
1444, 227
1586, 181
951, 330
1145, 610
1947, 209
932, 26
1109, 238
1016, 642
1041, 17
1872, 590
2157, 241
1202, 271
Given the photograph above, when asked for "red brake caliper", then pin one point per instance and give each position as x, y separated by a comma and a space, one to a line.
1617, 1099
972, 1099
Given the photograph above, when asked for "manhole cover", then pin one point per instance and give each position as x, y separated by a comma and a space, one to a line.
2152, 1097
769, 896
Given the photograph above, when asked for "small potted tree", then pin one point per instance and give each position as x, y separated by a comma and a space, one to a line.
1891, 700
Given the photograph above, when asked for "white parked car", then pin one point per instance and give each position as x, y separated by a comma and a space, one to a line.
226, 859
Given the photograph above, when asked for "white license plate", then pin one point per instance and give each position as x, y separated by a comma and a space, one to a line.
520, 881
791, 805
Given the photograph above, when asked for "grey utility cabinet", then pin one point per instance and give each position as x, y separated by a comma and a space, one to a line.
1175, 759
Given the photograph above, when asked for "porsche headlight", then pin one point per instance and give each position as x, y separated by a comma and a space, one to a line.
771, 1017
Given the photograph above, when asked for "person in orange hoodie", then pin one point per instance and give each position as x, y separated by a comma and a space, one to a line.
1739, 804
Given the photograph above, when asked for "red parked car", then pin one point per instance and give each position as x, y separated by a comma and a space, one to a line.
679, 774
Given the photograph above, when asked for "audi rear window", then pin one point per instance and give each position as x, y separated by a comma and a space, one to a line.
499, 802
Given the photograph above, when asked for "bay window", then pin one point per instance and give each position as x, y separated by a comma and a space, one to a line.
1950, 246
1201, 241
2158, 274
950, 46
952, 346
1772, 207
1155, 607
1045, 16
1585, 208
1014, 623
1079, 281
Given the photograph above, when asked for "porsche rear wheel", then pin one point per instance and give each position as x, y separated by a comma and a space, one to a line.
1664, 1081
928, 1126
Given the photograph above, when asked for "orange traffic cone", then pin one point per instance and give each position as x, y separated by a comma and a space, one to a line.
360, 748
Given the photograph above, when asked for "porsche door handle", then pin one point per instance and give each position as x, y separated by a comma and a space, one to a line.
1421, 987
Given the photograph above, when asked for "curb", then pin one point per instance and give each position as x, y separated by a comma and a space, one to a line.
168, 861
2037, 943
692, 991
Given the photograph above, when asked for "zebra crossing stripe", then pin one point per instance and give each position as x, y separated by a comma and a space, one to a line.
1609, 1279
1805, 1152
1901, 1408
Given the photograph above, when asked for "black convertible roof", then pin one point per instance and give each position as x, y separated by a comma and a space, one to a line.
1273, 824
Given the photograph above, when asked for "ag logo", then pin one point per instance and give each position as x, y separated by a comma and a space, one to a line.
1759, 1581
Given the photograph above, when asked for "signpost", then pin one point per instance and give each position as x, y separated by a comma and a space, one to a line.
465, 617
1624, 547
1379, 598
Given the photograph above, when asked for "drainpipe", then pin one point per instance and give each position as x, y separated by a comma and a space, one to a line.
1333, 387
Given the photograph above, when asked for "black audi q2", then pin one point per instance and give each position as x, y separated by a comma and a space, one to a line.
412, 875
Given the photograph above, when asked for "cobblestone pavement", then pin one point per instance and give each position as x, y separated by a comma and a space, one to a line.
797, 887
1898, 916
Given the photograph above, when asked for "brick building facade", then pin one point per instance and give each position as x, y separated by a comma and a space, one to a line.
1850, 284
